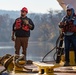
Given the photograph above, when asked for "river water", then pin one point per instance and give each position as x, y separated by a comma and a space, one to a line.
35, 50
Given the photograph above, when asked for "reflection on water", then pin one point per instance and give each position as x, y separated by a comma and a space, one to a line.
35, 50
6, 47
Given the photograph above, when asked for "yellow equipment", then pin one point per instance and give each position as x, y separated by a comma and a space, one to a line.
19, 63
71, 58
46, 69
13, 63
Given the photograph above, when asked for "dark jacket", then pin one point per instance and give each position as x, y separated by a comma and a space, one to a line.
20, 32
67, 19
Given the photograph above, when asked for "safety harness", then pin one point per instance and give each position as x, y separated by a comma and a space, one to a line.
69, 27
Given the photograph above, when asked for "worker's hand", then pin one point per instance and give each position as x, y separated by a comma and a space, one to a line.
13, 38
26, 22
61, 24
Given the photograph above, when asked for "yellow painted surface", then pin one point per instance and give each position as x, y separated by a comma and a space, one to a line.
45, 68
72, 57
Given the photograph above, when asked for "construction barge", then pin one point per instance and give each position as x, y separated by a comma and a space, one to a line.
9, 67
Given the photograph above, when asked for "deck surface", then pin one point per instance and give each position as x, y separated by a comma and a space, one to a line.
64, 69
38, 74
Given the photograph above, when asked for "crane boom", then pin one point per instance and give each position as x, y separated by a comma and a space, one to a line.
63, 3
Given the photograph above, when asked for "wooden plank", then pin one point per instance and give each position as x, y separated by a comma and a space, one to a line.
68, 69
38, 74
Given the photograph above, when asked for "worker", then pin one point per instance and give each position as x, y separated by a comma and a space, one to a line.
68, 27
21, 32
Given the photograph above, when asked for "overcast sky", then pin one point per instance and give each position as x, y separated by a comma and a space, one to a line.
37, 6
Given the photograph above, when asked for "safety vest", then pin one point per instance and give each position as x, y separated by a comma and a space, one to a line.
20, 25
70, 27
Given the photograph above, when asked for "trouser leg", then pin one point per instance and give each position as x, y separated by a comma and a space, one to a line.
24, 44
17, 46
66, 48
74, 45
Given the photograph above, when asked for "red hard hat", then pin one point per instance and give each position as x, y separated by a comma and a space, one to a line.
24, 9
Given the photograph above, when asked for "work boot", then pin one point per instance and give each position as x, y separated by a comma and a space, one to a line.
22, 56
66, 64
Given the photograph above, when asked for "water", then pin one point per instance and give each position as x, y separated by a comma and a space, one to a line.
35, 50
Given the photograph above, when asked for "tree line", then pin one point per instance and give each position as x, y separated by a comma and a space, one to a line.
46, 26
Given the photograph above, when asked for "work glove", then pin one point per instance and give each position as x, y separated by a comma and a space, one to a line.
26, 22
61, 25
